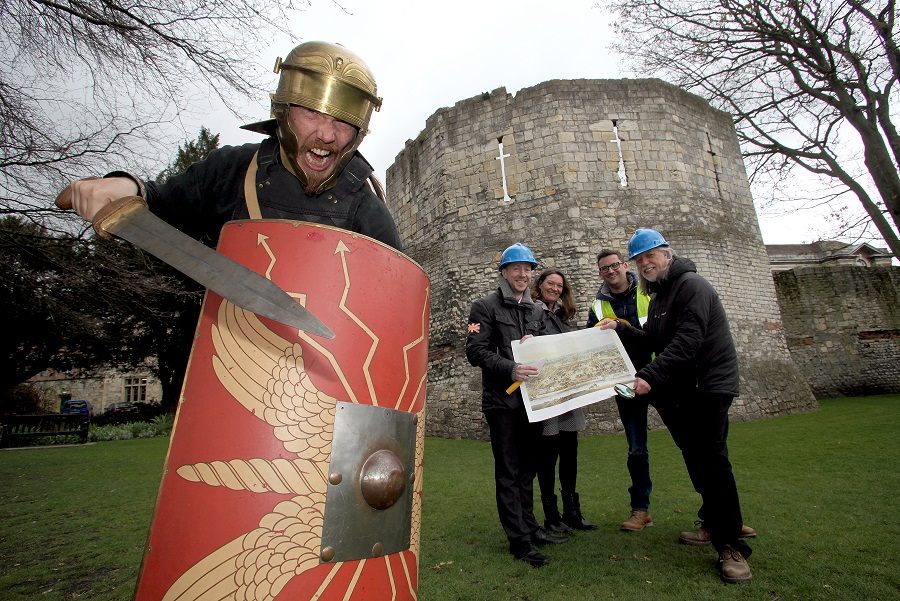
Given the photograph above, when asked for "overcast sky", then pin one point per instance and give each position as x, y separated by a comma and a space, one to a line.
427, 55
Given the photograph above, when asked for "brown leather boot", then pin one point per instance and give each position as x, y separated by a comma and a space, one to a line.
638, 521
733, 568
701, 536
696, 537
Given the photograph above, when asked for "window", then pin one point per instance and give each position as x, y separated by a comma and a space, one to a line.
135, 390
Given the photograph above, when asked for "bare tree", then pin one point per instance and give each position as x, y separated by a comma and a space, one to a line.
80, 305
76, 305
86, 83
809, 82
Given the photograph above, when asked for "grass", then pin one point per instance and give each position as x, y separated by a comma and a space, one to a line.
820, 488
73, 520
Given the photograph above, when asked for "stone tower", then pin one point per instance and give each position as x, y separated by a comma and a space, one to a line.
589, 161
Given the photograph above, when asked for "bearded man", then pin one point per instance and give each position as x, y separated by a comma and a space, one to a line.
308, 169
691, 381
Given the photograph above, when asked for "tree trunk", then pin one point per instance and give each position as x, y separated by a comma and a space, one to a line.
878, 218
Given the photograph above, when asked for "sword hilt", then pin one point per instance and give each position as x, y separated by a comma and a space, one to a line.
107, 217
64, 200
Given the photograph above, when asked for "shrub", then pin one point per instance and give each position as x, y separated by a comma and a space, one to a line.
160, 426
164, 424
26, 399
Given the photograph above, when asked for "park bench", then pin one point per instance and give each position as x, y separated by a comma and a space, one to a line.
19, 428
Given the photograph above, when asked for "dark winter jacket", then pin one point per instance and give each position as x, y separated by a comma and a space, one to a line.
495, 322
688, 330
211, 192
553, 320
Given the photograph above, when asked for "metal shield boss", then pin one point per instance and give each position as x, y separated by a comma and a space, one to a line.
295, 467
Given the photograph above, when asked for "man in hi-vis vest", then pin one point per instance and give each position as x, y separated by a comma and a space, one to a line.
620, 299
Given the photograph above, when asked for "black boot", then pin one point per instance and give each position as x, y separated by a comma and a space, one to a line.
552, 520
539, 538
527, 553
572, 512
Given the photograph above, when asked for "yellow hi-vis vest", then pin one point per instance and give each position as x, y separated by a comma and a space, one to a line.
606, 310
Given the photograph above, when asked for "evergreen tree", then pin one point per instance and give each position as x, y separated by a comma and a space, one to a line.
172, 333
190, 153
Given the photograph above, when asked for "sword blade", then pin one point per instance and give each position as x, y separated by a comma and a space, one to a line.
223, 275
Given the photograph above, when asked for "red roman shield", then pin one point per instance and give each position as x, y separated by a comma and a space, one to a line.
295, 467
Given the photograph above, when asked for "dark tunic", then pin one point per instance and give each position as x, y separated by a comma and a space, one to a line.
210, 193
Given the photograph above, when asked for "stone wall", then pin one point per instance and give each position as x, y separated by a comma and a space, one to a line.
685, 177
843, 327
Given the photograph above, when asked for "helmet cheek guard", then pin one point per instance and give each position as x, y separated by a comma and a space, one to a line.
644, 239
517, 253
289, 147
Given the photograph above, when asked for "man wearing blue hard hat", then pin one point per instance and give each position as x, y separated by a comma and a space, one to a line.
619, 299
692, 381
495, 322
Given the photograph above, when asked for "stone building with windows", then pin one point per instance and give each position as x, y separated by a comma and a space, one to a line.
567, 168
829, 253
101, 388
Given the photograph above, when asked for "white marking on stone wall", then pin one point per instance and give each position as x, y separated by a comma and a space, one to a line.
500, 158
623, 178
714, 160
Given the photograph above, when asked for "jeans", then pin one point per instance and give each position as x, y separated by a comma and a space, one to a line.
633, 413
699, 426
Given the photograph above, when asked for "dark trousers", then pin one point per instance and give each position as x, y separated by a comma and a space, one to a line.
514, 442
564, 447
633, 413
699, 426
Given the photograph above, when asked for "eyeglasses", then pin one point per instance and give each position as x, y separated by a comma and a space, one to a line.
615, 265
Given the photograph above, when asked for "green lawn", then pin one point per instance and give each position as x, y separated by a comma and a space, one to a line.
819, 488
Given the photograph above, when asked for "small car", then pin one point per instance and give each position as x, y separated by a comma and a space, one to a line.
80, 406
120, 408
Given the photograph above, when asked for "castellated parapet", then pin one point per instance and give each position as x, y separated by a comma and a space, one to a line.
568, 142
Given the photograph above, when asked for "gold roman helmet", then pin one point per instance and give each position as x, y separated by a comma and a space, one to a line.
326, 78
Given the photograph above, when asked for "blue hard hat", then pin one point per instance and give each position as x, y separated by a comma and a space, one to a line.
517, 253
644, 239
